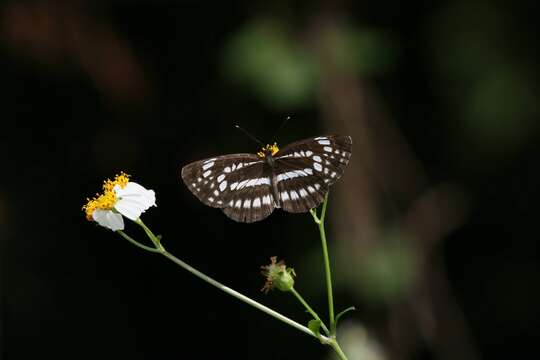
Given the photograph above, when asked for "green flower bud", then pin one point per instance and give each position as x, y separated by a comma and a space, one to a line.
277, 276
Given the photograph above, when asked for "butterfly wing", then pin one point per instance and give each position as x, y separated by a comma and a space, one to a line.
235, 183
305, 169
250, 198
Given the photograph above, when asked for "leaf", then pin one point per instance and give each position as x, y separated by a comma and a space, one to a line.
315, 327
350, 308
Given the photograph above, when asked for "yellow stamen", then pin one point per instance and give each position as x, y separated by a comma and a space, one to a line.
268, 149
107, 199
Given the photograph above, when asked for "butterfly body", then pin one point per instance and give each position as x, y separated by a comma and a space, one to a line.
247, 187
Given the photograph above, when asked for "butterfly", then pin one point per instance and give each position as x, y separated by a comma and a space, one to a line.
248, 187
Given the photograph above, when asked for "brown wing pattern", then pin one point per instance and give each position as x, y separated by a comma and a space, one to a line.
305, 169
210, 179
235, 183
250, 197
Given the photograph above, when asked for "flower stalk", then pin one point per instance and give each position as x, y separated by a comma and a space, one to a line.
328, 275
158, 248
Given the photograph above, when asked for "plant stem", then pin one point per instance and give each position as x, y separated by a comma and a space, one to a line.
320, 223
310, 310
136, 243
161, 250
236, 294
334, 344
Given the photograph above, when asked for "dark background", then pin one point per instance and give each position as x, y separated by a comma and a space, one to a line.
433, 228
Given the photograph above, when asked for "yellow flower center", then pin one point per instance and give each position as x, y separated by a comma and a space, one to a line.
107, 199
268, 149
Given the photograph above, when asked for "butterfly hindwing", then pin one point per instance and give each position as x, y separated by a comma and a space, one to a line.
250, 198
299, 188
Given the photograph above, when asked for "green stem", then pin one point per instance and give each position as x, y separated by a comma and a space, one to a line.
320, 223
160, 249
236, 294
310, 310
136, 243
334, 344
151, 235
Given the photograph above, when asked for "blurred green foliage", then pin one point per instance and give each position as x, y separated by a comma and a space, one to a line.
264, 58
360, 52
268, 58
381, 275
489, 85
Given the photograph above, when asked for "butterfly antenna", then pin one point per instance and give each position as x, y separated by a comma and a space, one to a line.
249, 135
281, 126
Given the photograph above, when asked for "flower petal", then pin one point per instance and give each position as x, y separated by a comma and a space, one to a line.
108, 219
133, 200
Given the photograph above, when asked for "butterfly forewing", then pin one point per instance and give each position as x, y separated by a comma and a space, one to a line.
209, 180
305, 169
239, 184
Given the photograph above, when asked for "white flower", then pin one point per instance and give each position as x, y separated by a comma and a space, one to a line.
120, 198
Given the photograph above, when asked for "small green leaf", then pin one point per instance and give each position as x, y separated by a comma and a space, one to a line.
315, 327
350, 308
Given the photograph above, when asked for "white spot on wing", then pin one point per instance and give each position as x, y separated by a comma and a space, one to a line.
303, 193
308, 171
216, 192
324, 142
206, 173
257, 202
311, 189
317, 158
227, 169
223, 186
220, 178
247, 203
327, 149
234, 185
294, 195
317, 166
211, 199
284, 196
207, 166
309, 153
238, 204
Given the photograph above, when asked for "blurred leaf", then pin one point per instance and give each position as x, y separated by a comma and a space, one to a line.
265, 58
385, 274
361, 52
501, 110
488, 86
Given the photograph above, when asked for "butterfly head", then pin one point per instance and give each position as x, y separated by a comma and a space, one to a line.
268, 150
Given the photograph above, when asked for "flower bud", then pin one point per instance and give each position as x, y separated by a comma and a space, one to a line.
277, 276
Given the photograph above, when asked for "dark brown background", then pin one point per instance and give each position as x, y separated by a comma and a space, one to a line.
433, 227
